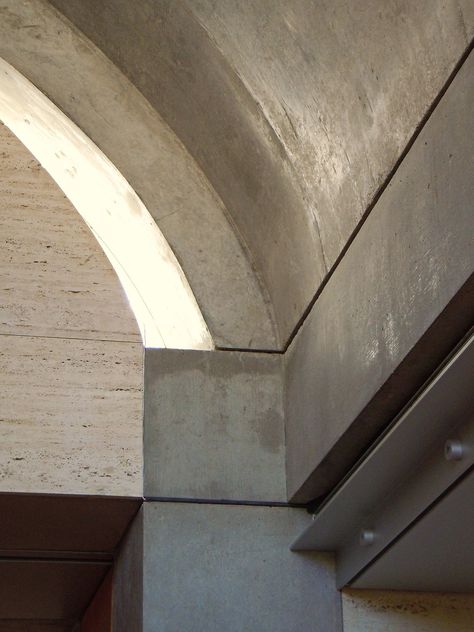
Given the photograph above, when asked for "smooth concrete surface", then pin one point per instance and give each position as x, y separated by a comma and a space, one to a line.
296, 111
88, 88
70, 416
217, 567
293, 114
127, 583
378, 611
213, 425
410, 264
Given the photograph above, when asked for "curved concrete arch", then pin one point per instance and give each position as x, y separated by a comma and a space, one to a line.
71, 356
95, 95
166, 310
297, 111
295, 114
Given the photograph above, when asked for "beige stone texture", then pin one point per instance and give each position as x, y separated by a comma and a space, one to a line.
54, 277
70, 416
387, 611
71, 359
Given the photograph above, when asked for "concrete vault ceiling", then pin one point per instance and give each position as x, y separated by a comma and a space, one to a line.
257, 134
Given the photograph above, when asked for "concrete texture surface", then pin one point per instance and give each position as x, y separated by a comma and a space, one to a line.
213, 425
216, 567
295, 111
413, 255
291, 115
127, 591
87, 87
377, 611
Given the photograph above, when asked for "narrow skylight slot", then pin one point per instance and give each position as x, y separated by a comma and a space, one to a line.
159, 294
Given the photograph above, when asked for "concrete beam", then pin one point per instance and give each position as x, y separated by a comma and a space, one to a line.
214, 426
401, 298
221, 567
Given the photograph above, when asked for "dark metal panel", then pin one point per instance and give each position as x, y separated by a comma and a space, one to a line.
437, 554
403, 475
98, 616
26, 625
83, 524
404, 505
32, 589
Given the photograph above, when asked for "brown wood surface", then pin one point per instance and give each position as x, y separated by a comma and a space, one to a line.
98, 616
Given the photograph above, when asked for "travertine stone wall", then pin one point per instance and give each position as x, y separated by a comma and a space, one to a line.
70, 351
377, 611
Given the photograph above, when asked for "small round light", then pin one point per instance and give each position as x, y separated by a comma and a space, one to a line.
366, 537
453, 450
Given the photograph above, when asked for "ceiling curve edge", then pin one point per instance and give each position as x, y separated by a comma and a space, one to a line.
160, 296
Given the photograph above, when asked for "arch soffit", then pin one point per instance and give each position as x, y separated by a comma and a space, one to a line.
163, 303
95, 95
295, 113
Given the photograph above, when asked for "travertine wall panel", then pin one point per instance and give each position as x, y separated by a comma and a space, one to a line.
377, 611
70, 416
55, 279
71, 358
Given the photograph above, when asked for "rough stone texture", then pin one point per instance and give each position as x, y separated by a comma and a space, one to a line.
374, 611
70, 416
54, 277
71, 360
217, 567
127, 591
80, 80
296, 111
214, 425
395, 285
